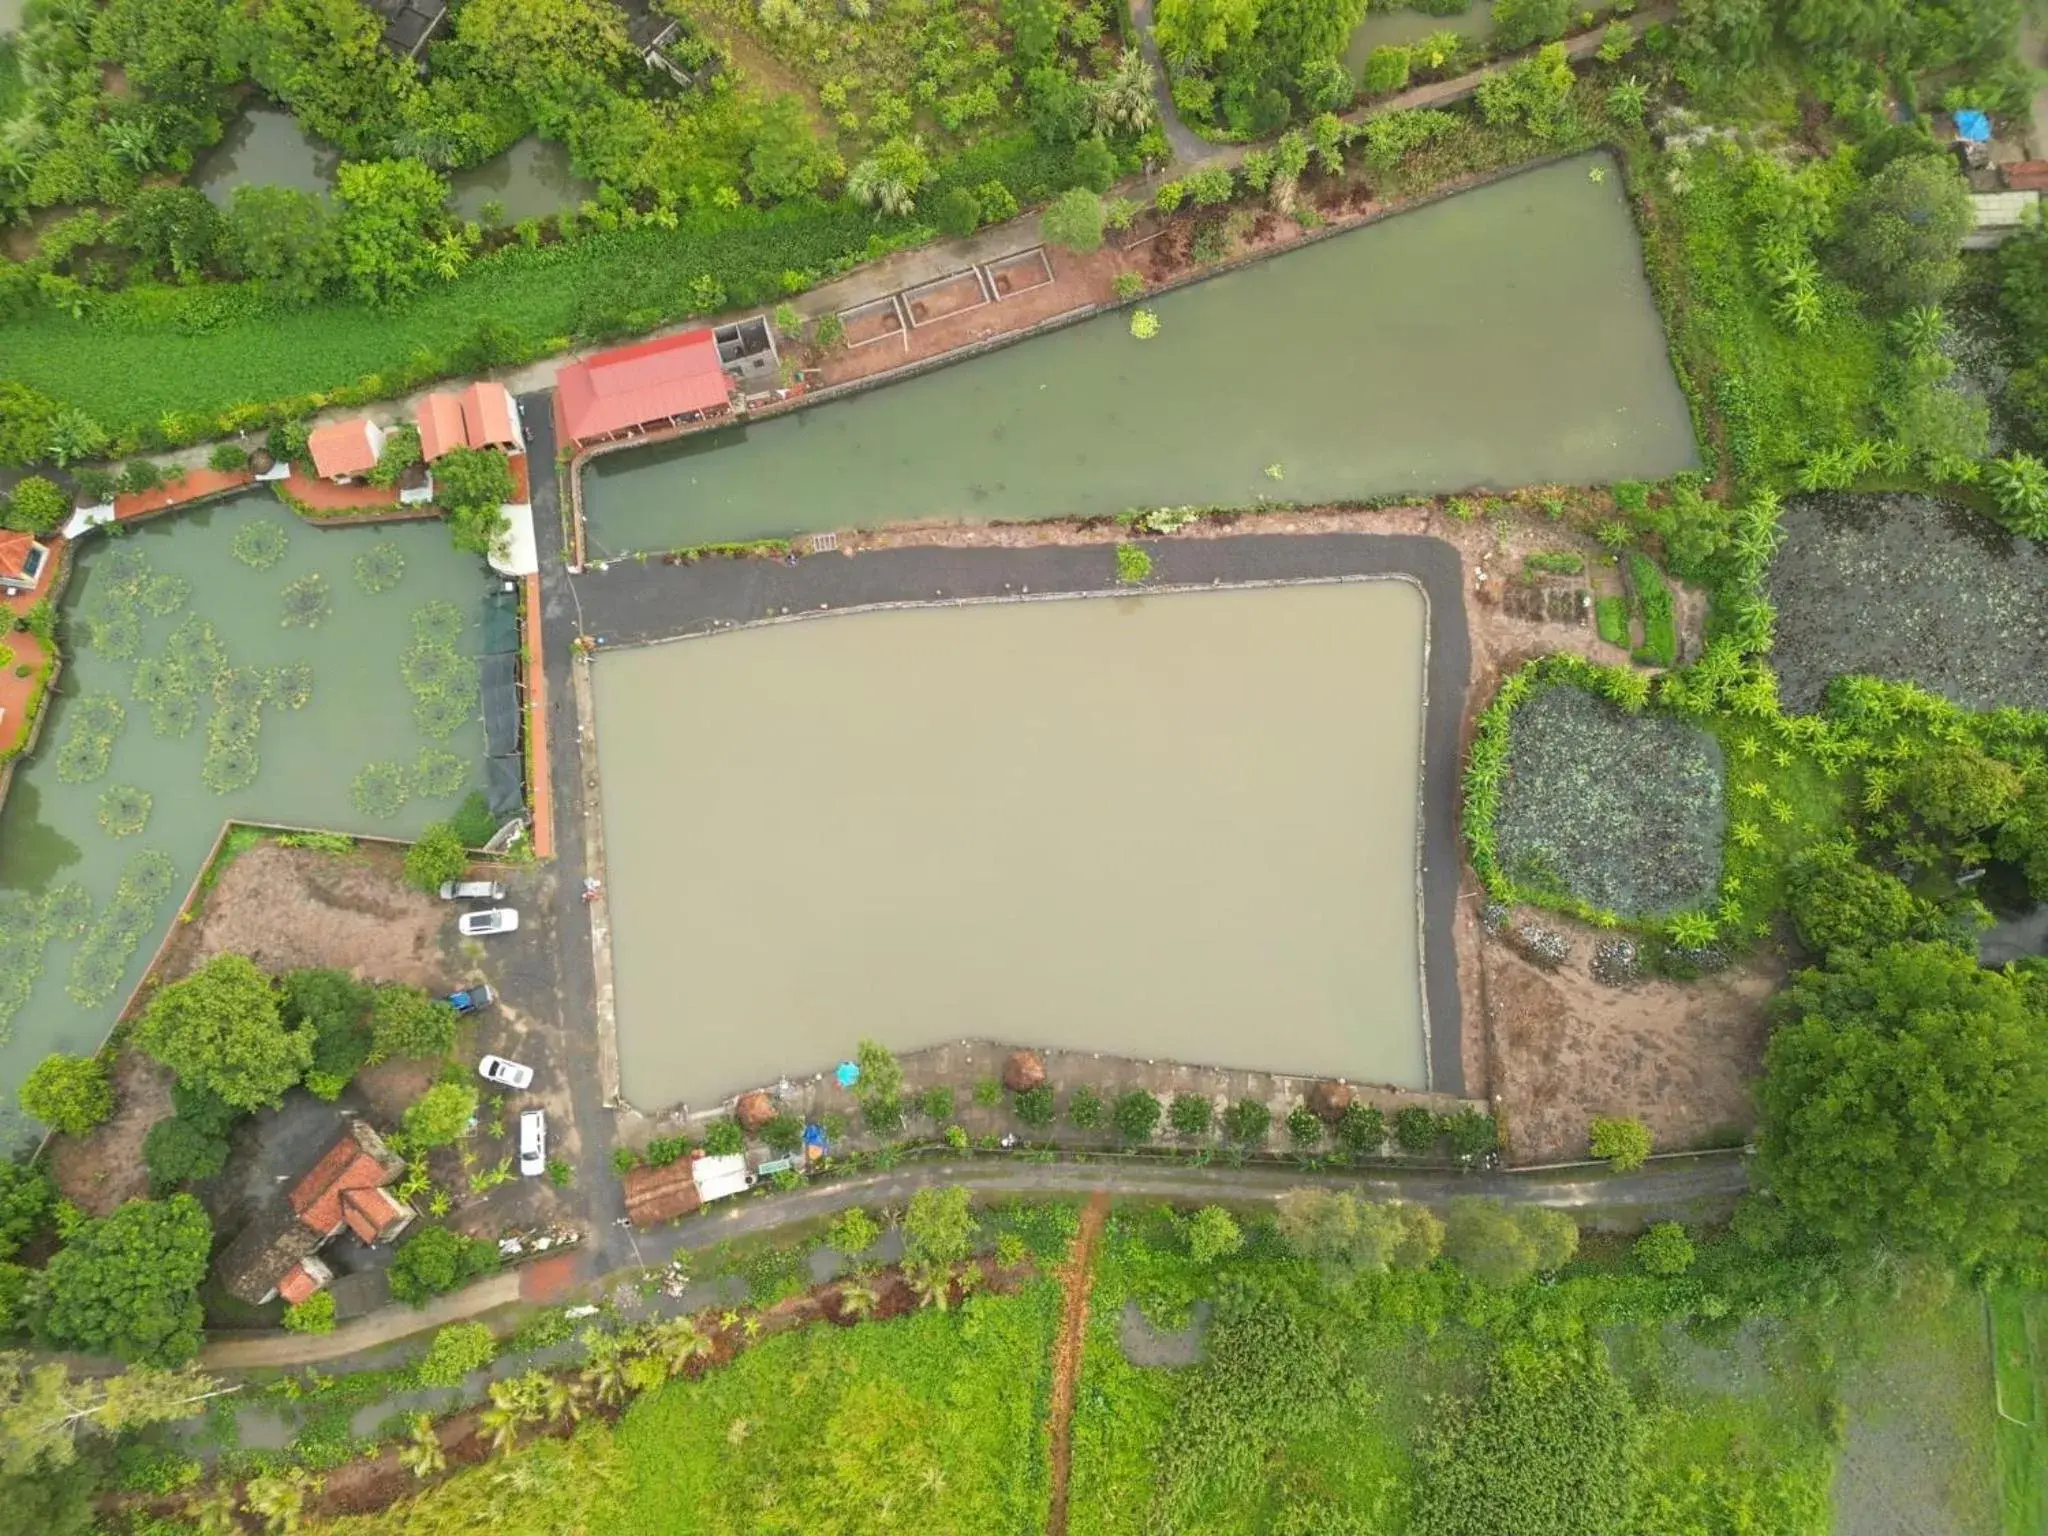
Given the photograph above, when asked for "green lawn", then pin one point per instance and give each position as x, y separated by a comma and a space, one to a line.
939, 1416
2019, 1321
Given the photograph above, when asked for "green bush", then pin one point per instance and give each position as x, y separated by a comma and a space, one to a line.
440, 1116
1034, 1106
1136, 1115
1085, 1109
785, 1133
1304, 1127
438, 856
71, 1094
1248, 1121
1610, 619
1665, 1249
936, 1104
1660, 619
1386, 71
1362, 1129
457, 1350
313, 1315
1416, 1129
1472, 1134
1191, 1113
1622, 1142
434, 1261
725, 1138
176, 1152
36, 506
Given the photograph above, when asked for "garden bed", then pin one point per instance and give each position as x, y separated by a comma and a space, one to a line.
945, 297
1621, 812
1913, 590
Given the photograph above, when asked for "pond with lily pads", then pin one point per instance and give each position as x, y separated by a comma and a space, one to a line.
225, 662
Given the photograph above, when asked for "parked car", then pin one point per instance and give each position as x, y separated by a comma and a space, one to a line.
533, 1142
472, 890
474, 925
510, 1074
469, 999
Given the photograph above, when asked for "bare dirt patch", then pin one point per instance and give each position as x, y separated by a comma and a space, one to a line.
1564, 1048
98, 1172
290, 907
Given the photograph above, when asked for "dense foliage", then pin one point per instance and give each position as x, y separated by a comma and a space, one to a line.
127, 1284
221, 1029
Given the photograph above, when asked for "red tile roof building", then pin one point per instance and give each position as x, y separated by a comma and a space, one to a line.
636, 388
345, 448
345, 1188
480, 416
304, 1278
22, 562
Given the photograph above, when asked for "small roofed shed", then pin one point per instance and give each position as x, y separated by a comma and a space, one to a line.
439, 418
633, 389
480, 416
655, 1195
343, 449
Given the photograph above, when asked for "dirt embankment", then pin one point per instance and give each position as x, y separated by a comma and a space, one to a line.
1077, 1279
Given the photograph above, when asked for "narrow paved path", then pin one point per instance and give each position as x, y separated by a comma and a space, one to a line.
1686, 1188
1189, 147
1077, 1279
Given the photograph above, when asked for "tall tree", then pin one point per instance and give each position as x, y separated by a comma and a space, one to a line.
220, 1029
44, 1409
1905, 1101
128, 1284
1902, 232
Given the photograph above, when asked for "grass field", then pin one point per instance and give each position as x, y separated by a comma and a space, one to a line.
2019, 1327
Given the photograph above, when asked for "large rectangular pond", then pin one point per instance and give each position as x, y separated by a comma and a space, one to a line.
149, 618
1504, 337
1179, 826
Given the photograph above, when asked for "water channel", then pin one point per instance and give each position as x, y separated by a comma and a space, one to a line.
1504, 337
1180, 825
152, 586
1398, 29
265, 146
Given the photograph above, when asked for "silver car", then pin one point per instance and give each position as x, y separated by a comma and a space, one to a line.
507, 1074
472, 890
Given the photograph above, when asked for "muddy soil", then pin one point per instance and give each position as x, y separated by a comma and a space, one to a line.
1680, 1058
290, 907
100, 1171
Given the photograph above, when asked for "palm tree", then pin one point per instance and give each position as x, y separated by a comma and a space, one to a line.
280, 1501
606, 1371
566, 1399
1124, 102
679, 1342
932, 1284
422, 1455
890, 179
858, 1299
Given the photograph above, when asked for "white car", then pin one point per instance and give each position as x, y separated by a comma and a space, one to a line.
472, 890
533, 1142
474, 925
508, 1074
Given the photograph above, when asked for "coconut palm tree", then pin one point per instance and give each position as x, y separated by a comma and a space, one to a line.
606, 1371
566, 1399
422, 1455
858, 1299
679, 1342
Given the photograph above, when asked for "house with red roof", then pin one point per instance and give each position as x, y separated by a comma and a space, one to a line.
641, 388
276, 1254
345, 450
481, 416
22, 562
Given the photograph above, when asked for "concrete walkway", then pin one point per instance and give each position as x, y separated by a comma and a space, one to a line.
1189, 148
1678, 1188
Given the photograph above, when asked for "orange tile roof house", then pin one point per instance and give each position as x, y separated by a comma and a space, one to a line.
633, 389
480, 416
274, 1254
22, 562
343, 450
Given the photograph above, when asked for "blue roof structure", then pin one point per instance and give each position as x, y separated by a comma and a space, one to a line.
1973, 127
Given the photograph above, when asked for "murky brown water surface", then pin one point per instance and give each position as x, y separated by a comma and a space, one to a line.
1180, 825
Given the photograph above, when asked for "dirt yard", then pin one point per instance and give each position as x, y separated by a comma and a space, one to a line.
100, 1171
1565, 1048
290, 907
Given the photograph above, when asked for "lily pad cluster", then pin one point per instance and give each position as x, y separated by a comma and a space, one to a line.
306, 602
126, 588
91, 726
260, 545
124, 809
102, 959
239, 694
173, 683
1623, 812
381, 790
380, 567
27, 924
444, 683
438, 774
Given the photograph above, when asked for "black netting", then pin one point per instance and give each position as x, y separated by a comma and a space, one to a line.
500, 624
505, 785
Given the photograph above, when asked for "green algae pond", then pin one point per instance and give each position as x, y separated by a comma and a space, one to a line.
1135, 825
227, 661
1503, 337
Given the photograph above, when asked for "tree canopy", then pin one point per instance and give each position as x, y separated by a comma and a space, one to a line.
1903, 231
68, 1093
221, 1029
1905, 1101
128, 1284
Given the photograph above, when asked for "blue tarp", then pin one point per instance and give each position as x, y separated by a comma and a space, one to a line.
1973, 127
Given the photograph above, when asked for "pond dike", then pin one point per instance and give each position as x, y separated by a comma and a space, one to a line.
641, 602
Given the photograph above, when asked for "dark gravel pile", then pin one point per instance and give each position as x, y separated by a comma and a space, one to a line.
1620, 811
1913, 590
